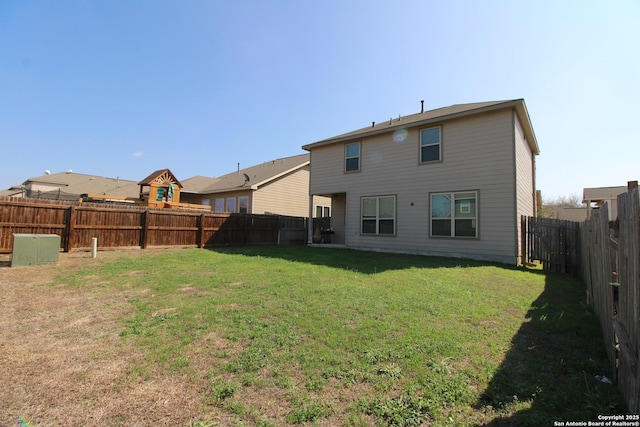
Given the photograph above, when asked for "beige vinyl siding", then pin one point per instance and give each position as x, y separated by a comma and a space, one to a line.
477, 155
525, 188
287, 195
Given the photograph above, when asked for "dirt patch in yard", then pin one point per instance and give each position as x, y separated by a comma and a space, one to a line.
62, 362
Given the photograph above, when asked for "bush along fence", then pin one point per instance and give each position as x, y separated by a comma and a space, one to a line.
121, 226
611, 272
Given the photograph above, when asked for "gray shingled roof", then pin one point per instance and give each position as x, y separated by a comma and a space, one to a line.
76, 184
437, 115
197, 183
258, 174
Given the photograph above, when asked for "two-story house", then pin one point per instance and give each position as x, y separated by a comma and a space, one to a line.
450, 182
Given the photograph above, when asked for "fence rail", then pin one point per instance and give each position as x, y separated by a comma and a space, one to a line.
135, 226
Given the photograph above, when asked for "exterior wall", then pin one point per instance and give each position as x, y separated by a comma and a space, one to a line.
338, 218
210, 199
43, 187
287, 195
230, 194
525, 175
478, 155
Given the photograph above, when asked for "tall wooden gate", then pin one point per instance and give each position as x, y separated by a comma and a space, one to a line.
555, 243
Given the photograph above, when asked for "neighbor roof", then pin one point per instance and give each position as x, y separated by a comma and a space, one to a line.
197, 183
257, 175
160, 173
13, 191
439, 115
77, 183
602, 193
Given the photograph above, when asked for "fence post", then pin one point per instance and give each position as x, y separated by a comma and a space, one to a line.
563, 249
145, 229
70, 229
279, 229
200, 237
523, 240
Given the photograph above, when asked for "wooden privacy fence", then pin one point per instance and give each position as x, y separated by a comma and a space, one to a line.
554, 243
121, 226
611, 272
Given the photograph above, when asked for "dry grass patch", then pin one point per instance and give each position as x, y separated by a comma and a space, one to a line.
292, 335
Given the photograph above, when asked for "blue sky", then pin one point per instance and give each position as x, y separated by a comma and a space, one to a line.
121, 88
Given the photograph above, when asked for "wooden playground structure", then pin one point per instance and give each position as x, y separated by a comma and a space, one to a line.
161, 189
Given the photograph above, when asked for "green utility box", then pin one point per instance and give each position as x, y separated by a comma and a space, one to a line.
35, 249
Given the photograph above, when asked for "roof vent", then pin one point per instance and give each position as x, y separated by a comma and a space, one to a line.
422, 106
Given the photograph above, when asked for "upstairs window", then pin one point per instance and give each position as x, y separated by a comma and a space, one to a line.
430, 145
378, 215
352, 157
454, 214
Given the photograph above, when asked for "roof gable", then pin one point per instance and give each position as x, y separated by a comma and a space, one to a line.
162, 176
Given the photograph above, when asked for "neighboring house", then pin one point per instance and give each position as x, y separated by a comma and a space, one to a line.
595, 198
70, 186
578, 214
278, 186
14, 191
452, 182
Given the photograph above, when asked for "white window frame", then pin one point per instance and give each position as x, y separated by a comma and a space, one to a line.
377, 216
431, 144
347, 157
465, 213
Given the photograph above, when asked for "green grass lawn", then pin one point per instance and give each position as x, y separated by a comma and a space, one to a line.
293, 335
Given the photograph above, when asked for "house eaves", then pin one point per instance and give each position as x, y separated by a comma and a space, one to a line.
601, 193
439, 115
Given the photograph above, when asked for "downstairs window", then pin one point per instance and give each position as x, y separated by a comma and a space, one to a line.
454, 214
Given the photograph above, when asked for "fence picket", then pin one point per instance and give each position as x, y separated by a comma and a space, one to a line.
135, 226
612, 278
554, 243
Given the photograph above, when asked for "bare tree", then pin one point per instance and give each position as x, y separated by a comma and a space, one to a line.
549, 207
571, 201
